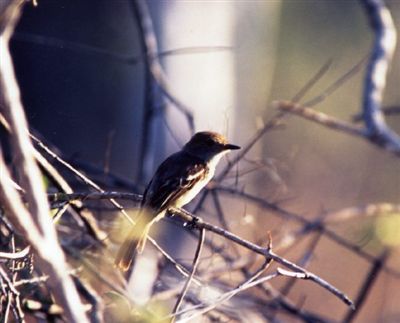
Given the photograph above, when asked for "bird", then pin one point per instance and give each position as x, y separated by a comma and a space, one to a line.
175, 183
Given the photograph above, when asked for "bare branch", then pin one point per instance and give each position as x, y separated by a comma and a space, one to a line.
82, 48
251, 282
196, 260
15, 255
154, 65
375, 79
35, 224
321, 118
335, 85
85, 179
200, 224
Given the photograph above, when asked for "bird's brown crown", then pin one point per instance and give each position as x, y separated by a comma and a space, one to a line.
208, 137
207, 144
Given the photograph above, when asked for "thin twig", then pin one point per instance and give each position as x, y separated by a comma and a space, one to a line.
92, 297
196, 261
321, 72
321, 118
225, 297
85, 179
82, 48
15, 255
154, 65
336, 84
337, 124
200, 224
303, 262
271, 124
62, 197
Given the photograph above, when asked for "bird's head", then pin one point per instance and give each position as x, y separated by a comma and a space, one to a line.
208, 144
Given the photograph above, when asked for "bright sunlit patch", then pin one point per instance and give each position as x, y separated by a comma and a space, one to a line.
387, 229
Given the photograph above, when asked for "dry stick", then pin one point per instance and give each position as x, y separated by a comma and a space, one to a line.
95, 271
82, 48
154, 65
92, 297
335, 85
321, 72
34, 280
62, 185
220, 212
12, 297
8, 307
111, 180
63, 197
335, 124
200, 224
18, 312
9, 283
369, 281
196, 261
15, 255
303, 261
375, 78
35, 223
179, 267
85, 179
249, 282
87, 218
321, 118
225, 297
47, 252
221, 217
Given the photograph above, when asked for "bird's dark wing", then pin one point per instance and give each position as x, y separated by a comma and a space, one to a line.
173, 178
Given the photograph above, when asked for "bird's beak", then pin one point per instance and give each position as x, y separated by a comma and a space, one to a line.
231, 147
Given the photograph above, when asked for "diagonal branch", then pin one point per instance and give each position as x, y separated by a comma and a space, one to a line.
266, 252
196, 260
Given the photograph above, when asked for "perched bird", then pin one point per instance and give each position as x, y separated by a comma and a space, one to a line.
175, 183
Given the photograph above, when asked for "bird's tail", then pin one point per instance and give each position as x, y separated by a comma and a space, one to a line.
133, 244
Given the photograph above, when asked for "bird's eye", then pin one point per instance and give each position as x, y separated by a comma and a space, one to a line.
210, 143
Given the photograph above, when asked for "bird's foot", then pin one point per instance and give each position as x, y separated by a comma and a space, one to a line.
192, 224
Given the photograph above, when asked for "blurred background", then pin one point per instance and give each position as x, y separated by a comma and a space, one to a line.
82, 75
